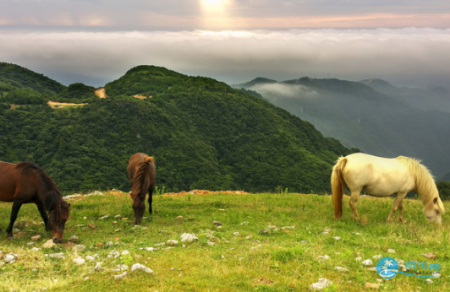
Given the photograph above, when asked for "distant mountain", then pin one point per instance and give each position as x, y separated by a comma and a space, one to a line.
371, 115
203, 134
432, 98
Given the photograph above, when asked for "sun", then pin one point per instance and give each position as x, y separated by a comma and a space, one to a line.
213, 5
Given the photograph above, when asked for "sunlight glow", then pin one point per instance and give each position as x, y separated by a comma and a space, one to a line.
215, 14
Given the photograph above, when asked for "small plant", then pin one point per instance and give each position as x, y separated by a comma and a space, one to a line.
160, 191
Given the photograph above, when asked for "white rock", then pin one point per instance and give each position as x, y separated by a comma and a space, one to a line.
79, 247
429, 281
358, 259
98, 267
150, 248
172, 242
85, 218
141, 267
321, 284
372, 269
187, 237
125, 252
368, 262
35, 249
400, 262
288, 227
356, 233
120, 268
160, 244
341, 269
325, 257
390, 250
10, 258
30, 243
436, 274
210, 243
121, 276
79, 261
109, 243
337, 238
114, 253
90, 258
117, 216
59, 255
104, 217
236, 233
377, 257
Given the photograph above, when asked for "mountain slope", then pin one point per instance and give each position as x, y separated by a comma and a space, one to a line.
203, 134
14, 77
362, 117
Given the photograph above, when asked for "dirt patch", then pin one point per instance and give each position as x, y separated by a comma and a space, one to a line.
55, 104
205, 192
101, 93
141, 96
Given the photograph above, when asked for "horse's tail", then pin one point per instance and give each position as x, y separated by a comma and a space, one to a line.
143, 177
338, 186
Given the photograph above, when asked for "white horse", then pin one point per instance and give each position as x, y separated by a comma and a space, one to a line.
382, 177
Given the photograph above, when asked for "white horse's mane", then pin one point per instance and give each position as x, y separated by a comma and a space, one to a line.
424, 180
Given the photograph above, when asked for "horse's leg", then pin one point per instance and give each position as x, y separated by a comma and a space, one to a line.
15, 210
354, 201
397, 206
150, 199
43, 213
139, 208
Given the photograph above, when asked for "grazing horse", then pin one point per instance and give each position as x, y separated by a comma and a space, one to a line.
24, 183
382, 177
141, 172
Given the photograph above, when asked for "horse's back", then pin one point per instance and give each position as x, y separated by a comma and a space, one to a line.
135, 160
377, 175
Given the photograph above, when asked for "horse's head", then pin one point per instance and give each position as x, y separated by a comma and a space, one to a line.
57, 220
434, 210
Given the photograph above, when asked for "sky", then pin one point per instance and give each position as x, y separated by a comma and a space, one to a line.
405, 42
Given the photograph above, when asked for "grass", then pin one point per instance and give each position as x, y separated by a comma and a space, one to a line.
249, 261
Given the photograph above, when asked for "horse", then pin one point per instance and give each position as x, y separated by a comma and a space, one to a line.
24, 183
382, 177
141, 172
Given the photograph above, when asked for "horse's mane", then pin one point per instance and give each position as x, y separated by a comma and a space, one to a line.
51, 196
140, 182
424, 180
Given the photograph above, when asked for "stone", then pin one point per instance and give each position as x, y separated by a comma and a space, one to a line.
36, 237
141, 267
321, 284
48, 244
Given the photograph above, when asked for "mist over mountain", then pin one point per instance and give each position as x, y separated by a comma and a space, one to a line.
372, 115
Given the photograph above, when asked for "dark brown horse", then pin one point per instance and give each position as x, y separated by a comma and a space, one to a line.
141, 172
25, 183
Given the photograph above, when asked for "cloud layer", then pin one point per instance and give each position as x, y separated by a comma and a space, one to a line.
409, 56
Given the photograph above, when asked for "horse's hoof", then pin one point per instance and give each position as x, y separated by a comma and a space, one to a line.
10, 237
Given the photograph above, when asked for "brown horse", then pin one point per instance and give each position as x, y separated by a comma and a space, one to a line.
141, 172
25, 183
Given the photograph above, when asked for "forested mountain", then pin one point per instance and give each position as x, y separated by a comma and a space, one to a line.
202, 133
371, 118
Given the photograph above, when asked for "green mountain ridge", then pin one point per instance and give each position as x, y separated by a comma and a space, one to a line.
202, 133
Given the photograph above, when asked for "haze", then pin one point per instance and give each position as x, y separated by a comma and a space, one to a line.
96, 41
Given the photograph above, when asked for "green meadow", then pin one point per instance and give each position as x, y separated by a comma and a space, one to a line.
249, 251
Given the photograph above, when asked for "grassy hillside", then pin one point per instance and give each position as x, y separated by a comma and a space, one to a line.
241, 258
362, 117
202, 133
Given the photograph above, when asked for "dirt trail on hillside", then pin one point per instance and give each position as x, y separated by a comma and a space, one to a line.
55, 104
101, 93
